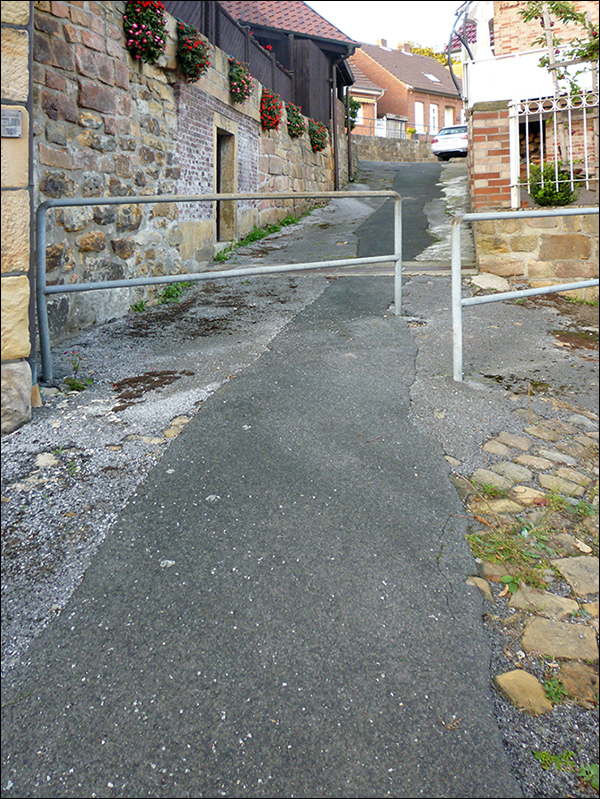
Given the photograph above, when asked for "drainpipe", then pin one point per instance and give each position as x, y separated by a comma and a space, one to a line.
334, 123
350, 172
32, 272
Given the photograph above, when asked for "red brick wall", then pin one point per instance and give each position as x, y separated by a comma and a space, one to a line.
398, 100
489, 161
513, 35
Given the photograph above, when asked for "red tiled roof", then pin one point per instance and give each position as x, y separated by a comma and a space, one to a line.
412, 69
360, 79
291, 16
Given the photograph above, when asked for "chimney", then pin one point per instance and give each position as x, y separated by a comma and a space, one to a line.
405, 47
381, 42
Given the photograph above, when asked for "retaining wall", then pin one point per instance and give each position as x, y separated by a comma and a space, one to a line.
107, 125
542, 251
376, 148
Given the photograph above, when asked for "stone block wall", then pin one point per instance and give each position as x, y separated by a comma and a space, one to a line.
375, 148
16, 222
542, 251
107, 125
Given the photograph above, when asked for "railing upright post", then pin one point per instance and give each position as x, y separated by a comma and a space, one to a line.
40, 287
456, 298
398, 256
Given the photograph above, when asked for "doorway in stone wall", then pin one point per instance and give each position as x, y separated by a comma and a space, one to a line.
225, 211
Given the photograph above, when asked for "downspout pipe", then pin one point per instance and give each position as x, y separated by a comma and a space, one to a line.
334, 121
32, 359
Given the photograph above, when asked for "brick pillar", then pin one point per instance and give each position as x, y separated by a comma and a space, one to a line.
489, 158
16, 216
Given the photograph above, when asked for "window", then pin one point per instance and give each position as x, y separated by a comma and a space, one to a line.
433, 118
419, 117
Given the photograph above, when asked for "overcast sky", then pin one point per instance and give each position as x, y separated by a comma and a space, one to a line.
427, 23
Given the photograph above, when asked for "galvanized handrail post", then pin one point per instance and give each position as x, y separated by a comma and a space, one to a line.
40, 289
398, 256
456, 278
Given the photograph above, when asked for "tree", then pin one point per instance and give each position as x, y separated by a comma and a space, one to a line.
418, 49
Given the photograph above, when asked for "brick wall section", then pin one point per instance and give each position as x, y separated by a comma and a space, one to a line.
512, 35
489, 158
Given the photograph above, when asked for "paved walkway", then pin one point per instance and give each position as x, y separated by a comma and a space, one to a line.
284, 607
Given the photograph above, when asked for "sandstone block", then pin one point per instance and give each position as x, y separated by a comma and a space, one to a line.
15, 318
581, 573
15, 395
15, 13
566, 247
543, 603
524, 691
559, 639
15, 65
15, 231
15, 156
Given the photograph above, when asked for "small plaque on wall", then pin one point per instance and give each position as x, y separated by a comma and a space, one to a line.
11, 123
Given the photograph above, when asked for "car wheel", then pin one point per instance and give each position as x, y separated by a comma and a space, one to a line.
443, 157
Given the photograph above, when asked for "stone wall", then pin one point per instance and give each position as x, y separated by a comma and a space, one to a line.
375, 148
16, 222
107, 125
543, 251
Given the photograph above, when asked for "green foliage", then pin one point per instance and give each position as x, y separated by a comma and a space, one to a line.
511, 581
74, 382
139, 306
256, 234
145, 29
554, 690
583, 47
173, 291
241, 83
589, 774
270, 110
354, 108
317, 133
562, 762
295, 121
442, 58
550, 185
193, 53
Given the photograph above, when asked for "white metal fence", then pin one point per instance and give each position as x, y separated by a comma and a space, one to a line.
556, 131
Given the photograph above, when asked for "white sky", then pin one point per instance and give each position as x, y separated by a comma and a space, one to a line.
428, 23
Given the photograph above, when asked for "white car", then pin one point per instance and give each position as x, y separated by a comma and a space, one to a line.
449, 142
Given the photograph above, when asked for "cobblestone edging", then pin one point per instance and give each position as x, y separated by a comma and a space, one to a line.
548, 478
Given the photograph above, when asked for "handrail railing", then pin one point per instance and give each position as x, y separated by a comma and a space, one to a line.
43, 290
458, 301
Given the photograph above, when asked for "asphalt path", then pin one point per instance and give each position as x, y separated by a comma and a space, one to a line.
418, 184
281, 609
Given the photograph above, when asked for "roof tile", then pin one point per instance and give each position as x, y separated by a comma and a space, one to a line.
292, 16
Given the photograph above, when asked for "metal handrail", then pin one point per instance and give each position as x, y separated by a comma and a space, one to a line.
458, 301
43, 290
